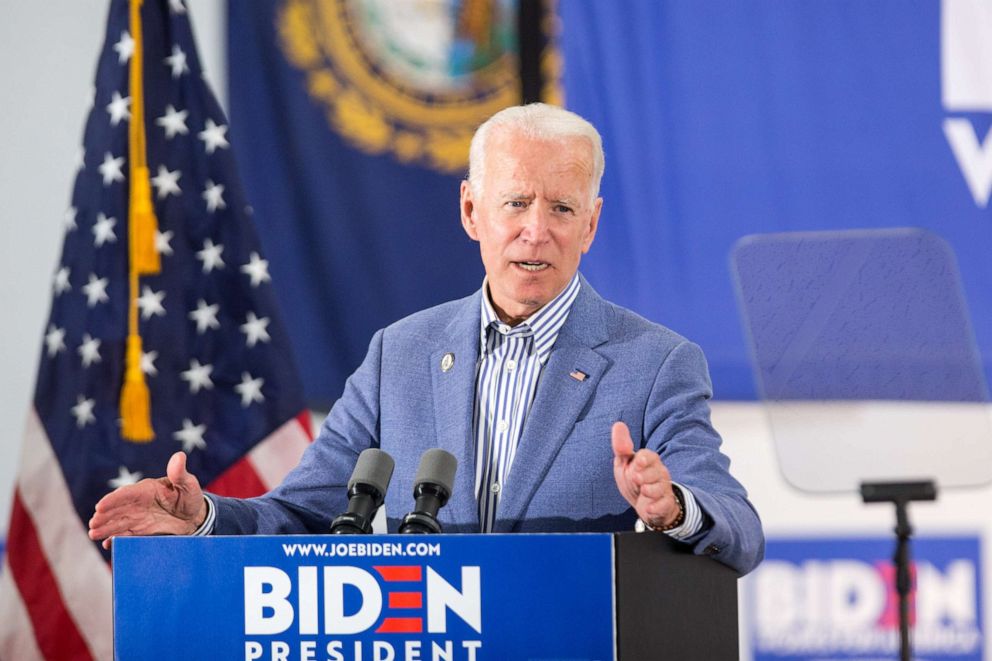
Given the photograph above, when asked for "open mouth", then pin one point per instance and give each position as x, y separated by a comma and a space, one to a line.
533, 267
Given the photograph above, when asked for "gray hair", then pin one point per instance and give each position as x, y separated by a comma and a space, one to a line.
535, 120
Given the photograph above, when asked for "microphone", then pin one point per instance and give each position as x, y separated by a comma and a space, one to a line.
431, 489
366, 491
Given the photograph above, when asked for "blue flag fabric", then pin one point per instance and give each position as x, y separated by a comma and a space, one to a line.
723, 120
355, 124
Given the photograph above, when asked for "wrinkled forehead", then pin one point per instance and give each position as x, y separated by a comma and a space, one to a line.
515, 155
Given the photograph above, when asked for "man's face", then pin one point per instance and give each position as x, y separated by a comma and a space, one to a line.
534, 218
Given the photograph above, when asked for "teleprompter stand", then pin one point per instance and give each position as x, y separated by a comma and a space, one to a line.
901, 494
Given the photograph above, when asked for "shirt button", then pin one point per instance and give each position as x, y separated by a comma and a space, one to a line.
495, 487
504, 330
502, 425
511, 365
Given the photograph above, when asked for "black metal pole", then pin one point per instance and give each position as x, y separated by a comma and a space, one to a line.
904, 581
901, 494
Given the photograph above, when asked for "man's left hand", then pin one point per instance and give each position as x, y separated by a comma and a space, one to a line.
643, 480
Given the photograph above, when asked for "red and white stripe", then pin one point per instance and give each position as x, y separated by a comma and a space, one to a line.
55, 588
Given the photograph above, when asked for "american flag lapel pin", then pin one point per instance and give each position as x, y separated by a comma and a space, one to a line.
578, 375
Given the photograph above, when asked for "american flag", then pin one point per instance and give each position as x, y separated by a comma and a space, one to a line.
215, 356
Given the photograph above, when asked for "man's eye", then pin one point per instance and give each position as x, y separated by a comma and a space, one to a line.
516, 204
561, 208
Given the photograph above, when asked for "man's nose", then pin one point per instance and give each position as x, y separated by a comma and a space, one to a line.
536, 225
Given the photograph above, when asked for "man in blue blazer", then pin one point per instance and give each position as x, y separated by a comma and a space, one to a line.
565, 412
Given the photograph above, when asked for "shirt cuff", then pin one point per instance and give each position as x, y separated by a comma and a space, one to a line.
207, 527
692, 523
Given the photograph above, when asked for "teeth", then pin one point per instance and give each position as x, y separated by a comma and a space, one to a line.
533, 266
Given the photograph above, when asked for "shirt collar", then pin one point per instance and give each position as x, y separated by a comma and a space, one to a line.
544, 324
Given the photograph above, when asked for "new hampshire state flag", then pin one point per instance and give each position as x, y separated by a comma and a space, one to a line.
354, 120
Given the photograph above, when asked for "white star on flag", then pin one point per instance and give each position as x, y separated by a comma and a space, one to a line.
173, 121
124, 478
119, 108
83, 411
166, 182
250, 389
70, 219
95, 290
191, 436
257, 269
198, 376
150, 303
177, 61
148, 362
162, 242
61, 284
110, 169
103, 230
213, 136
205, 316
210, 256
214, 195
177, 7
89, 350
124, 47
55, 340
255, 329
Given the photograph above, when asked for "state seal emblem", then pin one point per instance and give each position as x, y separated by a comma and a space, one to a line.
411, 78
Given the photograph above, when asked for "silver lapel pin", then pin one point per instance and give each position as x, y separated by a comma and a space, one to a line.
447, 361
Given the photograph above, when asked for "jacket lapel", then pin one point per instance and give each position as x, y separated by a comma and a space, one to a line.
454, 396
559, 400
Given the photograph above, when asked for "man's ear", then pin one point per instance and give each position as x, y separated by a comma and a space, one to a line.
593, 225
467, 205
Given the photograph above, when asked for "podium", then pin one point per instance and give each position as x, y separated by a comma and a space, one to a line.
418, 597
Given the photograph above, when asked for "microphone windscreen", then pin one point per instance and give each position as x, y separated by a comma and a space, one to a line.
373, 467
437, 466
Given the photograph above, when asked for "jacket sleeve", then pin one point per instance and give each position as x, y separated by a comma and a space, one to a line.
316, 490
677, 426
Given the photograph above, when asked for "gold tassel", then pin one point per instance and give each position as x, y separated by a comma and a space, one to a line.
135, 400
135, 403
145, 259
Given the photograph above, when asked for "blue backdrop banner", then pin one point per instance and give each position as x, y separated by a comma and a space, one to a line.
726, 120
719, 121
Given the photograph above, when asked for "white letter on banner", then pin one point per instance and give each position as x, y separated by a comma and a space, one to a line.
856, 595
441, 595
975, 160
253, 650
965, 65
382, 651
335, 620
777, 587
306, 607
948, 596
258, 599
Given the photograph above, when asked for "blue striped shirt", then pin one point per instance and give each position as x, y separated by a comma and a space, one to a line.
510, 365
511, 360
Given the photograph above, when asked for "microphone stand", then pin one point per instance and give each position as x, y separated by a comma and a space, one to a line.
900, 494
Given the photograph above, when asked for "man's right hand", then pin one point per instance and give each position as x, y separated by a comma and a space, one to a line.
171, 505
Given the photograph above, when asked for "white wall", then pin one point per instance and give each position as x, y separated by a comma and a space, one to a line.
48, 56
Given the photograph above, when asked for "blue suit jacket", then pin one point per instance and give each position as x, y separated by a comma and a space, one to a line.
561, 480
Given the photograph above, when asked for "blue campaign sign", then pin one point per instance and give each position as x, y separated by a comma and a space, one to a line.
382, 598
829, 597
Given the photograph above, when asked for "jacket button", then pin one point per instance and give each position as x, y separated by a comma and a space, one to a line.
712, 549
